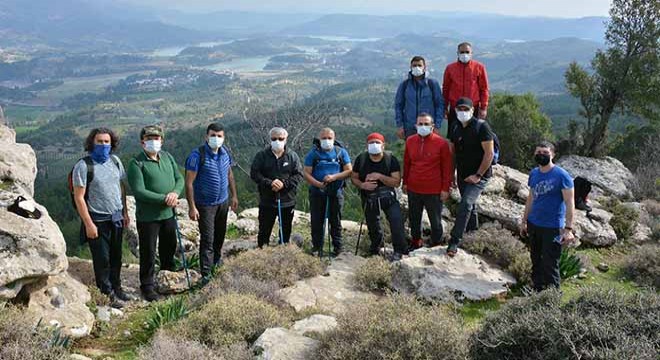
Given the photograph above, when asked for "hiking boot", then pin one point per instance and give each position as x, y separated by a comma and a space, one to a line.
336, 252
582, 205
396, 257
218, 263
452, 249
122, 295
115, 302
417, 243
150, 295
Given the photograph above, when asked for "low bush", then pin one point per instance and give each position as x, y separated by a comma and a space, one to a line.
643, 265
374, 274
598, 324
236, 281
282, 264
20, 339
521, 269
624, 221
395, 327
502, 248
229, 319
164, 347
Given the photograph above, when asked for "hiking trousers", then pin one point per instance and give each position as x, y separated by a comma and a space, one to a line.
106, 255
545, 253
161, 233
373, 204
317, 208
212, 230
433, 205
267, 216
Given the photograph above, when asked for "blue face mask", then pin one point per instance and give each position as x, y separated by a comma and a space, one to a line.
100, 153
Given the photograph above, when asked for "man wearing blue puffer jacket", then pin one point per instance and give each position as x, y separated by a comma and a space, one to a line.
415, 95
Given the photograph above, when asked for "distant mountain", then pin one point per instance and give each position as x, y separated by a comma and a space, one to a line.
236, 22
81, 24
473, 26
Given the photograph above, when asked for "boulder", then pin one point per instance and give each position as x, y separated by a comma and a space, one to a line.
332, 292
594, 230
431, 274
247, 226
515, 181
60, 301
608, 173
175, 282
30, 249
282, 344
495, 185
18, 162
318, 324
505, 211
252, 213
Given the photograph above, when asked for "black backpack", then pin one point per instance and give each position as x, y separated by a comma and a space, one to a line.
496, 141
387, 157
90, 176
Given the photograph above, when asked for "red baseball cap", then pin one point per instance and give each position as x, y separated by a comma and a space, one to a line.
376, 136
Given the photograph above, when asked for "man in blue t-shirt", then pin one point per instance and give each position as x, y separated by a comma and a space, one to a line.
209, 184
548, 217
327, 165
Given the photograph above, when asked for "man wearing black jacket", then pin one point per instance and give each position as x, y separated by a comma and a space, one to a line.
277, 172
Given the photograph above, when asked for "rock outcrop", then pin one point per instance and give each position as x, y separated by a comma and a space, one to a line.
285, 344
33, 259
609, 174
431, 274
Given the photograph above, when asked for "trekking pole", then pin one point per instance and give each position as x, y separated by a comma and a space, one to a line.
279, 218
183, 251
364, 209
326, 225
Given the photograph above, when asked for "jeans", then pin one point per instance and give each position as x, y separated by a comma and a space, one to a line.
212, 230
545, 254
150, 233
106, 256
466, 217
433, 205
267, 216
317, 208
390, 206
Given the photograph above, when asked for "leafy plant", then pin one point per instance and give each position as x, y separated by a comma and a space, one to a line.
192, 261
569, 265
166, 312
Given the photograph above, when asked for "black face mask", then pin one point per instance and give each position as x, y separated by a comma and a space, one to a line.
542, 159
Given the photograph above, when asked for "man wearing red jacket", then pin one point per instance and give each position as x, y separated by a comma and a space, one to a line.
465, 78
427, 176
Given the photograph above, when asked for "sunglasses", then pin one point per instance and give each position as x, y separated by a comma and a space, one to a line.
275, 139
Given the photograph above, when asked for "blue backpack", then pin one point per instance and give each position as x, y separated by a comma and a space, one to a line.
496, 142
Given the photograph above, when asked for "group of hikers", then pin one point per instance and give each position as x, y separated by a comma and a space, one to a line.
432, 165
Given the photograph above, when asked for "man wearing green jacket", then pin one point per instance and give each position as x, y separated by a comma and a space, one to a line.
156, 182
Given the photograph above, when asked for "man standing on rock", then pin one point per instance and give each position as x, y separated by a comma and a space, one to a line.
156, 183
100, 198
327, 165
427, 177
277, 172
465, 78
473, 148
377, 173
415, 95
548, 217
209, 183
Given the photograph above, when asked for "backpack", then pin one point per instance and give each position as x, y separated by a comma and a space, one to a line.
338, 147
90, 176
582, 189
496, 142
202, 154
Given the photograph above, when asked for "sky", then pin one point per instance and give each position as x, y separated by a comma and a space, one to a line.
551, 8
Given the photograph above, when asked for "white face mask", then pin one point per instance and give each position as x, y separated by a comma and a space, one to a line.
424, 130
277, 145
464, 58
375, 148
464, 116
215, 142
152, 146
417, 70
327, 144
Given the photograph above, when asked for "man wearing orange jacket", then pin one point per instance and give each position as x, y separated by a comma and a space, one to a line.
465, 78
427, 176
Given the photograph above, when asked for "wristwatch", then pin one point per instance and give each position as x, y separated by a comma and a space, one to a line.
478, 175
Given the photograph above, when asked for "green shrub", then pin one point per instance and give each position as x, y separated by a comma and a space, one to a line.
374, 274
20, 339
236, 281
164, 347
598, 324
229, 319
166, 312
624, 221
503, 249
395, 327
569, 265
282, 264
192, 261
643, 265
